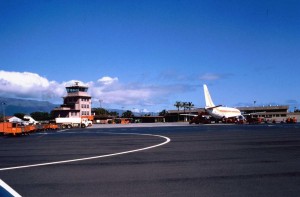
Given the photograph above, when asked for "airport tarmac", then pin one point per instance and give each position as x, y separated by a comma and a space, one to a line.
155, 160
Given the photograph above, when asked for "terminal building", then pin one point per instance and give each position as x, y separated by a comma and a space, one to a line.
77, 103
267, 113
277, 113
182, 115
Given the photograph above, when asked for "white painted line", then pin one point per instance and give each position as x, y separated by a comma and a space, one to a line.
99, 156
9, 189
59, 131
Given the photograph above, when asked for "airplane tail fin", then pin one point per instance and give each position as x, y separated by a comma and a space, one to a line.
208, 101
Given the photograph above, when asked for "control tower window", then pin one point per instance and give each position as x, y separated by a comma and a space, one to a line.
76, 89
71, 90
83, 89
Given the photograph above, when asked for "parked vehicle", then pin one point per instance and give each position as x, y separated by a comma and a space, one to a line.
73, 122
14, 128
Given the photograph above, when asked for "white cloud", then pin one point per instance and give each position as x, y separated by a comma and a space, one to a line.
28, 85
145, 110
108, 80
25, 79
109, 89
137, 110
209, 77
72, 82
214, 76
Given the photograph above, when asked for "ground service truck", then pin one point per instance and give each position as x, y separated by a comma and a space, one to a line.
73, 122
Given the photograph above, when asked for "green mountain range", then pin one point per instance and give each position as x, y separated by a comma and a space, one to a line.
10, 106
13, 105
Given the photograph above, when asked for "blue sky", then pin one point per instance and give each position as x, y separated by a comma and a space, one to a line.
149, 54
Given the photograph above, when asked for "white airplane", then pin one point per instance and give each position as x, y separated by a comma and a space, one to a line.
219, 112
29, 120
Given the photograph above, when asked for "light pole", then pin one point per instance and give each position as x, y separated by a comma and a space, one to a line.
254, 107
3, 108
100, 101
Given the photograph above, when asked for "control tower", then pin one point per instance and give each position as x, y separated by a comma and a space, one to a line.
77, 103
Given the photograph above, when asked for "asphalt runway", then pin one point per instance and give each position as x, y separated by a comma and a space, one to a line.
200, 160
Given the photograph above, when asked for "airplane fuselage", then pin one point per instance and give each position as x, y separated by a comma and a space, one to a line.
224, 112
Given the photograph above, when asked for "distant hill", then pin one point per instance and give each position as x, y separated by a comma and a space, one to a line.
13, 106
135, 113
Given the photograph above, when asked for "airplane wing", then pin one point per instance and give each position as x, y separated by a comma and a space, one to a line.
213, 107
194, 115
254, 113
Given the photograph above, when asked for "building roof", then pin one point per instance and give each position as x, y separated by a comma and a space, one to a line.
277, 107
195, 110
13, 119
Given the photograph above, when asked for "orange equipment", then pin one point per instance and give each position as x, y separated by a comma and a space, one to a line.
11, 128
50, 126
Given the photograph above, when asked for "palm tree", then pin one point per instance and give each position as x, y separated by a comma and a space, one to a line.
178, 104
100, 111
184, 105
127, 114
190, 105
114, 113
163, 113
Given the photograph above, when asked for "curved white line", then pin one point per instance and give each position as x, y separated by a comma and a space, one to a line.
96, 157
8, 189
